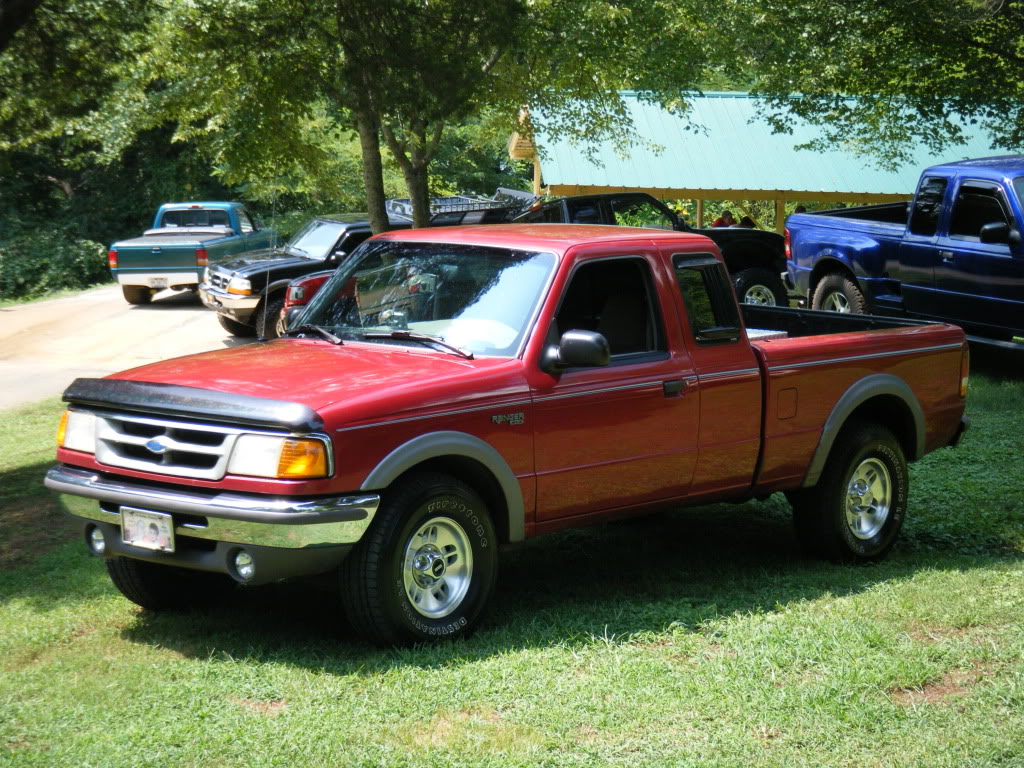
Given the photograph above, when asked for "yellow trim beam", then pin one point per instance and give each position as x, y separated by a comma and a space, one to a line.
736, 194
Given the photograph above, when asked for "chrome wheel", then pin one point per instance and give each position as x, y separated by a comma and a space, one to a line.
759, 294
438, 567
868, 498
836, 301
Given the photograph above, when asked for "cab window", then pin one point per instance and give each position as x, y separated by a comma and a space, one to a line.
244, 222
977, 204
707, 296
638, 212
924, 218
615, 298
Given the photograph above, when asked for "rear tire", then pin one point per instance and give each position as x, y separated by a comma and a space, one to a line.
426, 567
235, 328
760, 286
136, 294
837, 292
166, 587
856, 511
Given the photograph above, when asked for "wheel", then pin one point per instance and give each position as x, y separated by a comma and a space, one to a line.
426, 567
760, 286
234, 327
166, 587
837, 292
856, 510
136, 294
268, 322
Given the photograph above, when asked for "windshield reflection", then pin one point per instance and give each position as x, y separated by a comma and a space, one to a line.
473, 297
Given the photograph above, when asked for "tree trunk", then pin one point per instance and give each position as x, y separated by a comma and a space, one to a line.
416, 180
373, 171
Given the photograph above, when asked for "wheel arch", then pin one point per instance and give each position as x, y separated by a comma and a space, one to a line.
471, 460
825, 266
881, 398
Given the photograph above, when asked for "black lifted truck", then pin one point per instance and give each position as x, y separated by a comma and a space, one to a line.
755, 259
248, 292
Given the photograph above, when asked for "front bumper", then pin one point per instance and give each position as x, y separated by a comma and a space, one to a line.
236, 307
298, 533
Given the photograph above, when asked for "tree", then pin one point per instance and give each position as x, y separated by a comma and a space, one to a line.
875, 73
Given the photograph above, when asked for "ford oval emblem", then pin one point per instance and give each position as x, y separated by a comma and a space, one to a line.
156, 445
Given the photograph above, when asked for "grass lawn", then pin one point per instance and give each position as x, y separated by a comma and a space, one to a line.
695, 638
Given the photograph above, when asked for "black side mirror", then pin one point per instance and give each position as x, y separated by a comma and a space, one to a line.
996, 232
291, 317
1014, 237
577, 349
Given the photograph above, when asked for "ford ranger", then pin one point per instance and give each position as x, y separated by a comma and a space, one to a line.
449, 392
955, 253
184, 239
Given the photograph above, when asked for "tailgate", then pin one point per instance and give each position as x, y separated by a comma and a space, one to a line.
158, 256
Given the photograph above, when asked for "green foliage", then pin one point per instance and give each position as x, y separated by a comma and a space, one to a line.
45, 261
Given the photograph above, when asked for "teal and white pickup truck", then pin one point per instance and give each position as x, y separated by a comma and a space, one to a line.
184, 239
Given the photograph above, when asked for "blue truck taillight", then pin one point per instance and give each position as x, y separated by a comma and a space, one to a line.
112, 259
202, 258
789, 245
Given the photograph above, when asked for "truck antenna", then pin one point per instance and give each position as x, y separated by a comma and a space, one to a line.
273, 244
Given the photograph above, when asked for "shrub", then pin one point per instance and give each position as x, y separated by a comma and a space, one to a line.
35, 263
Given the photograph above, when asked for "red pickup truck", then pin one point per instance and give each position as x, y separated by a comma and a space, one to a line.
447, 393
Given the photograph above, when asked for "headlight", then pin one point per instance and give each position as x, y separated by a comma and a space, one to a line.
77, 431
239, 285
287, 458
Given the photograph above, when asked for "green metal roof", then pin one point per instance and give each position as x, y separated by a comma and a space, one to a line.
733, 149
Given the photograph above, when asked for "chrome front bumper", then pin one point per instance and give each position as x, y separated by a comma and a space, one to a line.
228, 303
237, 518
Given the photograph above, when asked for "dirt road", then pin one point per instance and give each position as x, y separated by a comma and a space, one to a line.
46, 344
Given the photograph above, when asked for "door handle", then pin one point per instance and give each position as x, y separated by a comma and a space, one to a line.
946, 255
673, 387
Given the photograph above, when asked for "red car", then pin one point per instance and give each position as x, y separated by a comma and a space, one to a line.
449, 392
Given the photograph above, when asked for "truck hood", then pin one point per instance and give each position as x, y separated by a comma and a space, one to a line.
263, 261
354, 381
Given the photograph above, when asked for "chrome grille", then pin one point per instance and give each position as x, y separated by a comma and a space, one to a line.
164, 446
219, 280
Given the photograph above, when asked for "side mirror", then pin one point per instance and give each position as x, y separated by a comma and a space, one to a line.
257, 224
291, 317
337, 256
577, 349
1014, 238
996, 232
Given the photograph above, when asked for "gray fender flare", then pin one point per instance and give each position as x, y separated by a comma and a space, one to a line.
277, 285
436, 444
858, 394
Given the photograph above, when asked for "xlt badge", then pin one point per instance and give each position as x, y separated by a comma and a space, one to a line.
509, 418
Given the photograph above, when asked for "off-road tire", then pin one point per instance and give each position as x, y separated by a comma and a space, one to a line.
136, 294
373, 576
158, 587
836, 289
754, 285
822, 514
235, 328
268, 322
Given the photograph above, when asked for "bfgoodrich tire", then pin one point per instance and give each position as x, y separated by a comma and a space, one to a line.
165, 587
837, 292
426, 567
136, 294
760, 286
235, 328
268, 325
856, 511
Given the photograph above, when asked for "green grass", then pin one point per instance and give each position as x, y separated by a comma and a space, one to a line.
690, 639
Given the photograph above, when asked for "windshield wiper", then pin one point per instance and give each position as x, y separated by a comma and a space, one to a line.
324, 333
420, 337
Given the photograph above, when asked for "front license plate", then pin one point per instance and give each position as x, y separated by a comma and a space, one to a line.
158, 282
149, 530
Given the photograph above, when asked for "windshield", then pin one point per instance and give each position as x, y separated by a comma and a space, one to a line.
477, 298
316, 240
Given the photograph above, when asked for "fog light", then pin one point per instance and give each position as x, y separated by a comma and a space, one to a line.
244, 566
97, 543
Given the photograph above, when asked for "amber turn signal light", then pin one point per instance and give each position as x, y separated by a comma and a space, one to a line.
302, 458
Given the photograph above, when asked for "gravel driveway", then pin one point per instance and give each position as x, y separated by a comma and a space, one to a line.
44, 345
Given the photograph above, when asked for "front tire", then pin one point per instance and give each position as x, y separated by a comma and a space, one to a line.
856, 511
136, 294
426, 567
166, 587
760, 286
268, 323
837, 292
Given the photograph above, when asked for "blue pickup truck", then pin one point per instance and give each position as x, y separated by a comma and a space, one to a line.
955, 252
184, 239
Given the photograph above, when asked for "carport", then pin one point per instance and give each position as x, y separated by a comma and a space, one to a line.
722, 150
